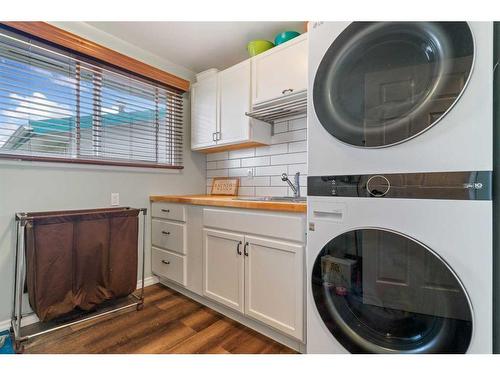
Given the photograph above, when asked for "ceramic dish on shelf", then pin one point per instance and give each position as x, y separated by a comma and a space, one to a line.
285, 36
255, 47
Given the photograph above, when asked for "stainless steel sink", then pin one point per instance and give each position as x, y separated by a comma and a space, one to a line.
272, 199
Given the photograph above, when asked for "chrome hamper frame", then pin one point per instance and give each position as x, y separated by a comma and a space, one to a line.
18, 332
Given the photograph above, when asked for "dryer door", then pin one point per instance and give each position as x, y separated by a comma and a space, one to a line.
381, 83
378, 291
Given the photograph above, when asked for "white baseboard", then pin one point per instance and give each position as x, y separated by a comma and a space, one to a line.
148, 281
30, 319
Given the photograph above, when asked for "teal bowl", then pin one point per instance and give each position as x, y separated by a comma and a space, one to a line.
285, 36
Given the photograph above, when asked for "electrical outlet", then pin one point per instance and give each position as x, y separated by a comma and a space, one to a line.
115, 199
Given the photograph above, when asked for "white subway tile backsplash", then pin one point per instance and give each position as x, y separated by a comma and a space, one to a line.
296, 124
300, 157
238, 172
255, 162
273, 170
255, 181
228, 163
276, 180
297, 146
294, 168
286, 154
272, 150
211, 165
280, 127
217, 156
247, 191
271, 190
217, 173
298, 135
245, 153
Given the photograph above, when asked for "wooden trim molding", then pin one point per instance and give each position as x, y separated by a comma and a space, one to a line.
88, 48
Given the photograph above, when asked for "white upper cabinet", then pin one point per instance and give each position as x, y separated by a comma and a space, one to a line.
234, 96
219, 103
280, 71
204, 112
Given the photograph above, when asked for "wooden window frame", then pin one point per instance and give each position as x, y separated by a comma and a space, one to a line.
75, 44
63, 38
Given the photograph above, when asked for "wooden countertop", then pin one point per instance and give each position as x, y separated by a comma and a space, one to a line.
228, 201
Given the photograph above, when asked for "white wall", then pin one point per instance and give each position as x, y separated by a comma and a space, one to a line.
288, 153
36, 186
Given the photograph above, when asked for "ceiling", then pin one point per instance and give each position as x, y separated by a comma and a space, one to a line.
197, 45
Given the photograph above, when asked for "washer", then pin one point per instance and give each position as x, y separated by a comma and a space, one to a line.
396, 97
400, 263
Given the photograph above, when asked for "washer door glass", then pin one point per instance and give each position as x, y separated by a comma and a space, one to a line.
378, 291
381, 83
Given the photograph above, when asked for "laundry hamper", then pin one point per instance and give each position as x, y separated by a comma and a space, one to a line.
75, 261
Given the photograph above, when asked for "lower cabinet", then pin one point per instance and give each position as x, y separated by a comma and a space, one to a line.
260, 277
274, 284
223, 268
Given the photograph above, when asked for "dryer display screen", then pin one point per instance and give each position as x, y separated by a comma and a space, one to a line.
381, 83
378, 291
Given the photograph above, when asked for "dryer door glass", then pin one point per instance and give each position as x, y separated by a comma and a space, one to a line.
382, 292
381, 83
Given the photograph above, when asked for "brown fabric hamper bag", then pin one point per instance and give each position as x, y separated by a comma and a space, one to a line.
79, 259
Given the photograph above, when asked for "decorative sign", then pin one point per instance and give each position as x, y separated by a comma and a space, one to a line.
225, 186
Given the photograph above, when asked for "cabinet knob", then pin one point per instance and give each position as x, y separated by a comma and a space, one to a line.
165, 233
165, 210
165, 261
287, 91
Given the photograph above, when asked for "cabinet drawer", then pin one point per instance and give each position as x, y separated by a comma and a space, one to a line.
169, 265
170, 211
168, 235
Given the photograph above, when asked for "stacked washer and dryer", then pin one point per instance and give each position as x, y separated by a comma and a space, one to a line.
399, 256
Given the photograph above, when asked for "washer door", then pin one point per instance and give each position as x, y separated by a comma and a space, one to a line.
378, 291
381, 83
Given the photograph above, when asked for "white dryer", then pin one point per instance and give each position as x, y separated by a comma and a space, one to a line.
391, 97
400, 263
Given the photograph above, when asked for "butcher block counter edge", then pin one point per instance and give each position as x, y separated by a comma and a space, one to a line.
229, 201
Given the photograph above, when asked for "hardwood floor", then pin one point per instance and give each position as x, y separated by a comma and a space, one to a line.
169, 323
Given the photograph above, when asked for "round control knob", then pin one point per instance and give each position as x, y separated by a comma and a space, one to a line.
378, 186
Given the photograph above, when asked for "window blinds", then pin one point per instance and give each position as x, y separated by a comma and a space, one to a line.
55, 106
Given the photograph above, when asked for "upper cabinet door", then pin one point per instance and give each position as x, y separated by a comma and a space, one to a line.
204, 112
274, 284
234, 96
280, 71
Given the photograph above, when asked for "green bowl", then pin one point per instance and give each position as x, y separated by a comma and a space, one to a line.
258, 46
285, 36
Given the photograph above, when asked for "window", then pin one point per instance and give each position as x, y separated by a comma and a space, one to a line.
56, 106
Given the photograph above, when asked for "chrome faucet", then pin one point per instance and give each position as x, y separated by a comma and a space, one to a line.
295, 187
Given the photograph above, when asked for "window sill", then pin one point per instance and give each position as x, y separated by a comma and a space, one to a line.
72, 163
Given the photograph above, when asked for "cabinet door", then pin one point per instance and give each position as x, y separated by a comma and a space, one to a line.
279, 70
234, 95
204, 112
223, 268
274, 284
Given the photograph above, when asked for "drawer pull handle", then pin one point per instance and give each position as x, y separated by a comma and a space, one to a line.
165, 233
287, 91
165, 261
165, 210
245, 249
238, 248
